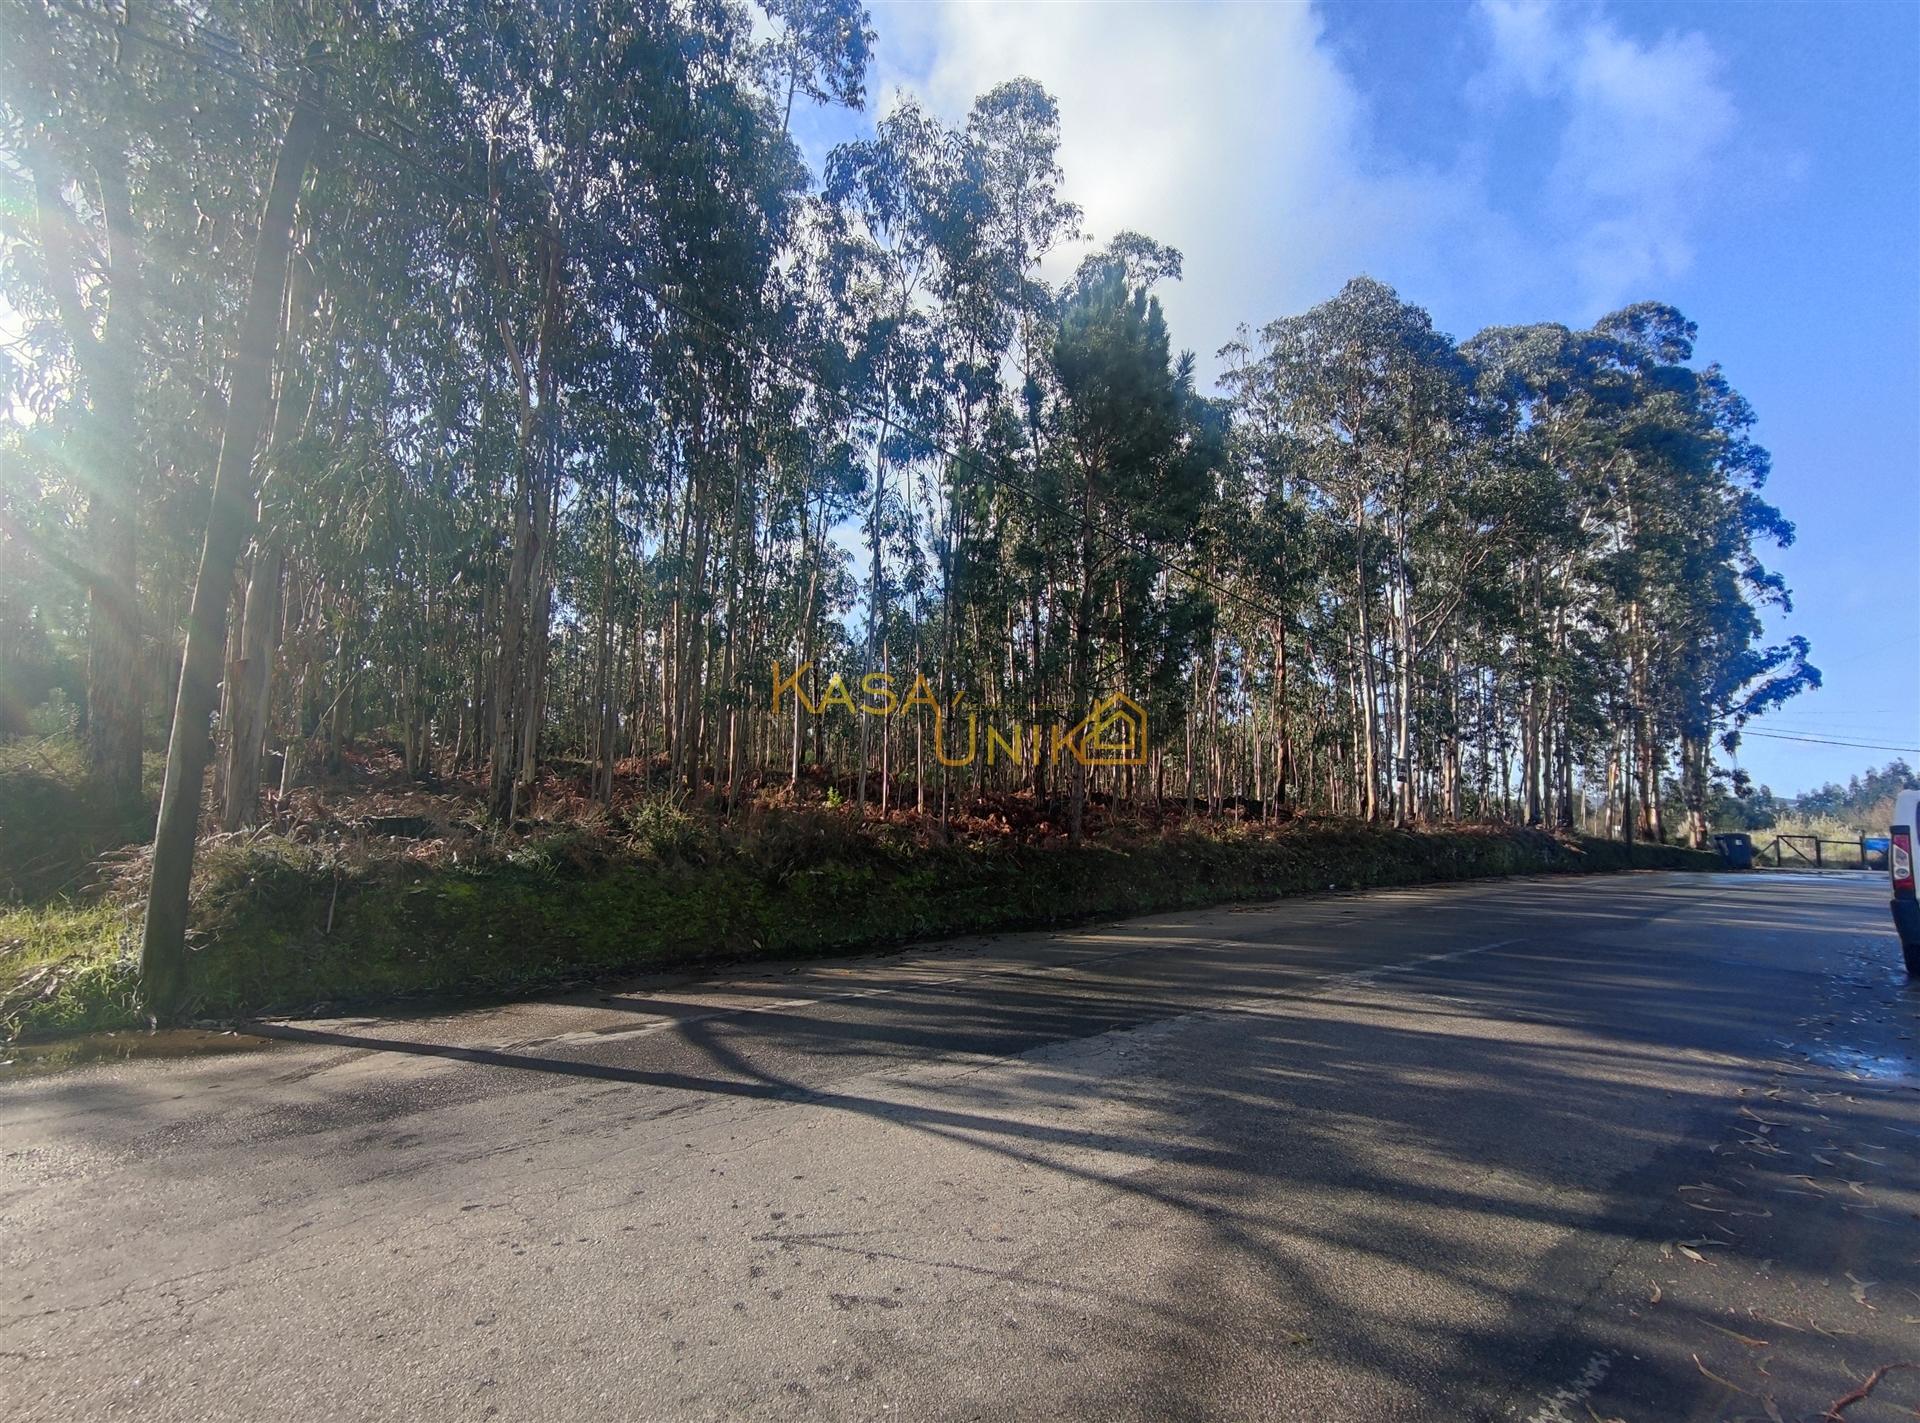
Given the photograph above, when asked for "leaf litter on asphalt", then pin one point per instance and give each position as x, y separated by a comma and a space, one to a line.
1836, 1411
1724, 1383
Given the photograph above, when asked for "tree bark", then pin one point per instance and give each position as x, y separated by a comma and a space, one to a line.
249, 693
163, 958
252, 681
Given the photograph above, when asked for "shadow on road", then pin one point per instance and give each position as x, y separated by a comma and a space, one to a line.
1442, 1160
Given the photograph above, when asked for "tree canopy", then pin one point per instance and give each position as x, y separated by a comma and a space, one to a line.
587, 403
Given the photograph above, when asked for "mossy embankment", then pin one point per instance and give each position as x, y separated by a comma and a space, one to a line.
286, 929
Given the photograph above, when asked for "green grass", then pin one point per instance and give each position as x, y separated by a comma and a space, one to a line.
282, 928
66, 968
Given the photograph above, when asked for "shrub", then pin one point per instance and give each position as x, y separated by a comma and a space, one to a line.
661, 828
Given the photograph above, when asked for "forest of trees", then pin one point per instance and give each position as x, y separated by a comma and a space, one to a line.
496, 381
1864, 805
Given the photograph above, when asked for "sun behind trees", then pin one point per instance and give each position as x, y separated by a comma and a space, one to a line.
587, 402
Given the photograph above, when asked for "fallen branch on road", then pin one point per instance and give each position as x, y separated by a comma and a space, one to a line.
1836, 1411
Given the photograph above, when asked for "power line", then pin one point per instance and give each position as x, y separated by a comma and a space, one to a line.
1822, 728
1829, 741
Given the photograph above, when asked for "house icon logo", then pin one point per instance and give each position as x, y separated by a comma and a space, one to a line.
1114, 733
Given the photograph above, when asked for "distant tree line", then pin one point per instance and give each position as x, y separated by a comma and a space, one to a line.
542, 399
1865, 802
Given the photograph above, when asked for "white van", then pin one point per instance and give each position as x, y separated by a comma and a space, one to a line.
1904, 834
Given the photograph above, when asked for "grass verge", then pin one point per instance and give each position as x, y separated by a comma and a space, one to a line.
282, 928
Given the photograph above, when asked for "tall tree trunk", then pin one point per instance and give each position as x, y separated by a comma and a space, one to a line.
1450, 766
251, 677
1368, 696
806, 628
1080, 699
109, 364
163, 956
604, 678
509, 662
250, 682
523, 631
1693, 773
876, 600
533, 682
1283, 770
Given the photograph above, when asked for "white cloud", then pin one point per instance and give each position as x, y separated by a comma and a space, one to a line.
1529, 44
1235, 133
1220, 131
1643, 127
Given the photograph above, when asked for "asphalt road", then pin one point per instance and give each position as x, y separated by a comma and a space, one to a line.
1630, 1148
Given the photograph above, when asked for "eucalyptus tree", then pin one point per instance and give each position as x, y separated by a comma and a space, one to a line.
1693, 512
1007, 316
1268, 525
1371, 393
885, 195
1014, 128
231, 503
582, 391
101, 144
821, 51
1539, 401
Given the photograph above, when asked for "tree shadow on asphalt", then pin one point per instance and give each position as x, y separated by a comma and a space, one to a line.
1463, 1126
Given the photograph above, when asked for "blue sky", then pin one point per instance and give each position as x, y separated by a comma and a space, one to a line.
1501, 161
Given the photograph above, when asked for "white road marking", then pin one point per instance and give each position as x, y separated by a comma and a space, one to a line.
1556, 1407
1368, 975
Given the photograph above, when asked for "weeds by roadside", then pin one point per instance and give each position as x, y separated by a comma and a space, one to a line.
286, 927
66, 967
373, 887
